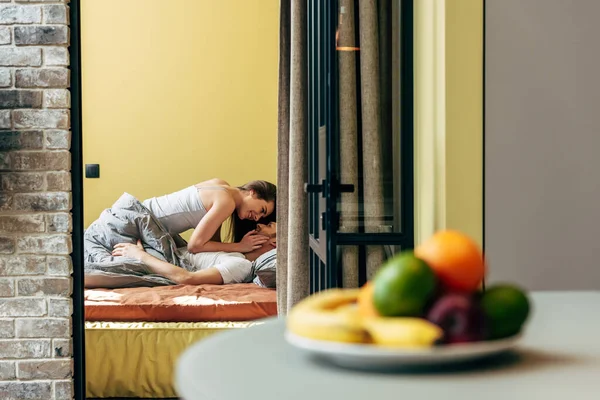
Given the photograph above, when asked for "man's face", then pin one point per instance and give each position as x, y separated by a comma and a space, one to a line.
269, 230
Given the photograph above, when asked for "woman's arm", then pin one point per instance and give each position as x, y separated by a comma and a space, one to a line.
203, 237
254, 254
170, 271
250, 242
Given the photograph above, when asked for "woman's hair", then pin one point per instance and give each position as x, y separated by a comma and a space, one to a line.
265, 191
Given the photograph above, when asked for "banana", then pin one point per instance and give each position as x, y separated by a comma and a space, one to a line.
333, 315
328, 315
402, 332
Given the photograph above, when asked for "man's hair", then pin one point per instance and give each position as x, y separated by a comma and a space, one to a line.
272, 235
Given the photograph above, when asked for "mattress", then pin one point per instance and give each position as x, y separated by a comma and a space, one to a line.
137, 359
181, 303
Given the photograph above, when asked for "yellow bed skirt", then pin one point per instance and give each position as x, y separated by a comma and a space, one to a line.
137, 359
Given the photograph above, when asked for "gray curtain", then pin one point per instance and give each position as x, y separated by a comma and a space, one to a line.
292, 205
371, 128
373, 45
346, 50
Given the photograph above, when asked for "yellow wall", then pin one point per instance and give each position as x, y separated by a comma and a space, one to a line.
464, 116
448, 117
430, 121
176, 92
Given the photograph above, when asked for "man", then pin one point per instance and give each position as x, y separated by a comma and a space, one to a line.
215, 268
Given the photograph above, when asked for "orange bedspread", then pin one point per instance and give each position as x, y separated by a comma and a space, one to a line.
181, 303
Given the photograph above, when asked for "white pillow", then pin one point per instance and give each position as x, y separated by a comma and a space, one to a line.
264, 269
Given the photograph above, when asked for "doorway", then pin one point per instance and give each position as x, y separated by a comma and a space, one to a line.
171, 94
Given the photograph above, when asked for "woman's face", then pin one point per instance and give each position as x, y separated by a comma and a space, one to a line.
254, 208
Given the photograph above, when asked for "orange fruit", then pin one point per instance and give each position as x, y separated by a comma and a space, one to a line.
455, 258
366, 308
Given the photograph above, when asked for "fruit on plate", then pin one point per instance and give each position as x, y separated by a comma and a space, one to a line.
366, 308
506, 308
403, 286
456, 259
328, 315
404, 332
417, 299
333, 315
459, 316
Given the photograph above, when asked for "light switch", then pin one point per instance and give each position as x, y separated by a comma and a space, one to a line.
92, 170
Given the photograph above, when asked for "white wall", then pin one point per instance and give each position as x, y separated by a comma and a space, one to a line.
542, 142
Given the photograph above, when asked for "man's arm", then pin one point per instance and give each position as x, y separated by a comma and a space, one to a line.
176, 274
179, 275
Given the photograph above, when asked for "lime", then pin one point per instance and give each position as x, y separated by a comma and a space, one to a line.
403, 286
506, 308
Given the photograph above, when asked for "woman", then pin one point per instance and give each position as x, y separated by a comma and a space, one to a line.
206, 206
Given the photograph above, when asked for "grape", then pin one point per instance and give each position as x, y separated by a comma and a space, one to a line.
459, 316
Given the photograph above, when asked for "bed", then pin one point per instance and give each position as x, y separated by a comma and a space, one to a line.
134, 336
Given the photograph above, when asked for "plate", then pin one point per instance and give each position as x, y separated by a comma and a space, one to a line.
366, 356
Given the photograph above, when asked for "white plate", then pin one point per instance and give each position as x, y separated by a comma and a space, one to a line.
365, 356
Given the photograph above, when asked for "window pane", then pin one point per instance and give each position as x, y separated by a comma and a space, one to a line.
369, 137
357, 264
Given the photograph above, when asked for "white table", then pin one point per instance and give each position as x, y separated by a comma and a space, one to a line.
559, 358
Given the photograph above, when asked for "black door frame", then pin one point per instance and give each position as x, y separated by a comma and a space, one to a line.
77, 201
323, 106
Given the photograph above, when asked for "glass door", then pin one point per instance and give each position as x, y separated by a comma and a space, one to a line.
360, 137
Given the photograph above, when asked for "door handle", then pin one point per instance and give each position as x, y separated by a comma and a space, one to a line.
313, 188
316, 188
321, 188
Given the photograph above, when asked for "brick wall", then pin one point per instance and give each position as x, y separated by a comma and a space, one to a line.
35, 199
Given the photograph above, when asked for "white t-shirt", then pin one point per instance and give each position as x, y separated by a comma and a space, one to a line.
234, 267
